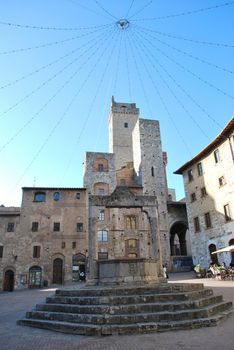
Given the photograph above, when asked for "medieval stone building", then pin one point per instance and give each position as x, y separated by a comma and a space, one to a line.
124, 211
209, 187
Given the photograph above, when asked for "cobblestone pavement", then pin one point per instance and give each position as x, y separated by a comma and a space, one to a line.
14, 305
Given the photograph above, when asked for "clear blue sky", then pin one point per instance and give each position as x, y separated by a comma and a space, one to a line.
57, 83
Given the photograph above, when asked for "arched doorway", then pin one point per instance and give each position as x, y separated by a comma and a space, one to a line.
231, 242
178, 239
58, 271
35, 277
8, 281
78, 267
213, 257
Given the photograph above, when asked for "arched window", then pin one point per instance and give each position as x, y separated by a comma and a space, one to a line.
39, 197
102, 236
56, 196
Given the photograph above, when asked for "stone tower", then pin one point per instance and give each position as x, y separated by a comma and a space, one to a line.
122, 121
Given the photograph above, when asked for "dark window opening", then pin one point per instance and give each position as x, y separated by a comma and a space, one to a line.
203, 192
207, 220
79, 227
56, 226
227, 212
56, 196
190, 175
193, 197
100, 167
10, 227
222, 181
199, 169
216, 156
78, 195
35, 226
1, 251
73, 245
197, 224
126, 125
36, 251
63, 245
102, 255
152, 171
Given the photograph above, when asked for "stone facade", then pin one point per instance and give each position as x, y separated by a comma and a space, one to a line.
209, 187
123, 213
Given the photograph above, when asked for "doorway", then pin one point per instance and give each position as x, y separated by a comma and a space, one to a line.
35, 277
58, 271
8, 281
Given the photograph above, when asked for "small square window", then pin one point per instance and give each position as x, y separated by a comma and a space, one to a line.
10, 227
36, 251
73, 245
193, 197
222, 181
199, 169
79, 227
216, 156
207, 220
56, 196
196, 224
227, 212
203, 192
56, 226
126, 125
78, 195
34, 226
190, 175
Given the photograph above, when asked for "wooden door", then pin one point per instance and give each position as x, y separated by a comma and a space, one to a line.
58, 271
9, 281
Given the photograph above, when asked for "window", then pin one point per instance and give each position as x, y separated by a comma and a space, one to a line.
216, 156
34, 226
10, 227
101, 215
203, 192
63, 245
79, 227
101, 192
102, 236
126, 125
196, 224
131, 222
56, 226
227, 212
36, 251
73, 245
221, 181
207, 220
199, 169
193, 197
190, 175
152, 171
132, 243
39, 197
56, 196
1, 251
78, 195
102, 255
100, 167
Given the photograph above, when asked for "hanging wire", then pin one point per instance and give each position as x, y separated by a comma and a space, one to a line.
153, 59
162, 101
129, 9
191, 56
53, 43
103, 9
187, 13
186, 39
141, 9
39, 87
140, 79
73, 99
194, 74
28, 26
96, 46
185, 92
127, 68
90, 110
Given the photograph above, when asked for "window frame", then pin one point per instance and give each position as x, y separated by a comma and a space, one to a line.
190, 175
39, 197
207, 220
203, 192
102, 236
10, 227
217, 156
199, 169
79, 227
56, 196
222, 181
1, 251
227, 213
35, 226
196, 223
193, 197
56, 227
101, 216
36, 251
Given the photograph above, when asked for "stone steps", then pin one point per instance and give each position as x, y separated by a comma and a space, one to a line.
123, 310
129, 299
